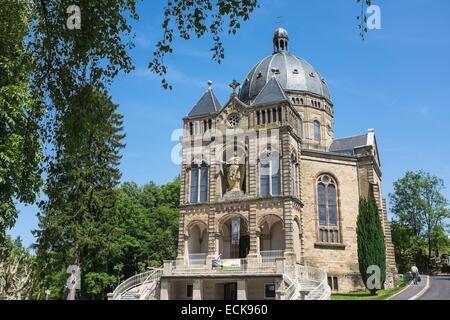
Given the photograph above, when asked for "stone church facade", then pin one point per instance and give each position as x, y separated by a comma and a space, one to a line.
263, 178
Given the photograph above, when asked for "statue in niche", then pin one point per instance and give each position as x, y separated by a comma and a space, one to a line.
234, 174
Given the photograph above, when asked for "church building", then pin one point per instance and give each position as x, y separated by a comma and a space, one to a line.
269, 196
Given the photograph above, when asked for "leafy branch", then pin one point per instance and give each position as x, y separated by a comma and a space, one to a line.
195, 18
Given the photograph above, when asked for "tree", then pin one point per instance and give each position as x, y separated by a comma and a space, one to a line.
420, 209
16, 266
371, 246
81, 186
133, 235
20, 115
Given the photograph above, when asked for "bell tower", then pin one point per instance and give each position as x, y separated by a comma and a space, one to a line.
280, 40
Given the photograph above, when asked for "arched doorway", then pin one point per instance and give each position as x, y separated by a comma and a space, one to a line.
271, 238
197, 243
234, 239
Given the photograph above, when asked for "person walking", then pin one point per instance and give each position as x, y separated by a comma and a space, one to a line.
415, 274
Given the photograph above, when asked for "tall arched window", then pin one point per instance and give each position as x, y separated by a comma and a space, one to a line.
300, 127
327, 209
204, 183
199, 183
270, 181
194, 183
317, 131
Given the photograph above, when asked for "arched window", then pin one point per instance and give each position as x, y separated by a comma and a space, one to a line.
300, 127
317, 131
194, 183
270, 181
294, 180
327, 209
204, 183
199, 183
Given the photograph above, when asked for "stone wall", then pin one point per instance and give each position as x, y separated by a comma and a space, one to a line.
340, 260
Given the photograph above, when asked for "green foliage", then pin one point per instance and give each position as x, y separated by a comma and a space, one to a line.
195, 18
139, 231
80, 186
98, 283
370, 236
16, 265
20, 115
420, 213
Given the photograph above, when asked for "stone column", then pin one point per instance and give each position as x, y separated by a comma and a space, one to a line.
197, 290
287, 191
253, 229
181, 237
214, 169
165, 288
218, 236
241, 290
211, 232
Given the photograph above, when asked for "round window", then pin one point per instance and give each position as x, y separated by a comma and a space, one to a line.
233, 120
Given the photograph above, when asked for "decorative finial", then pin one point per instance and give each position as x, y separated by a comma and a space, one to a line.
209, 84
234, 85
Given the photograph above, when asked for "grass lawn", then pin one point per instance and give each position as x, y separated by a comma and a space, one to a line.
363, 295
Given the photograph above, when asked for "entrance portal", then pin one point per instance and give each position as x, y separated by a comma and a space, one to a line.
230, 291
234, 242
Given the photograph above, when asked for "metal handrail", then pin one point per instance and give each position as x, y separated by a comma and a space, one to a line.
133, 282
150, 284
322, 291
243, 266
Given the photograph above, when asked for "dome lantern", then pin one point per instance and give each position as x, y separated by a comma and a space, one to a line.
280, 40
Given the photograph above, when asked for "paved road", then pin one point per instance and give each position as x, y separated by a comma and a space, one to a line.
439, 289
411, 291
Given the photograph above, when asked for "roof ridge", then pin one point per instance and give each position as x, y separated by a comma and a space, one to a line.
207, 104
348, 137
263, 92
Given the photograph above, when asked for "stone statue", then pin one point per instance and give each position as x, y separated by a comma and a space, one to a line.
234, 178
234, 174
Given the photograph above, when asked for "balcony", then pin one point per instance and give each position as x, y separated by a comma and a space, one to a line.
267, 262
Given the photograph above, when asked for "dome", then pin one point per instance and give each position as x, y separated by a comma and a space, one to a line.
281, 33
294, 74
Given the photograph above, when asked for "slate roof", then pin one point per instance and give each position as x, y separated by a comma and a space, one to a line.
348, 145
270, 93
292, 72
207, 104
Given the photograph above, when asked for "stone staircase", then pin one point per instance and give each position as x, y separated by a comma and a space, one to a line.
139, 287
302, 283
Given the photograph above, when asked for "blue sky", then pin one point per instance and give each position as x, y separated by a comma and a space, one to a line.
396, 81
